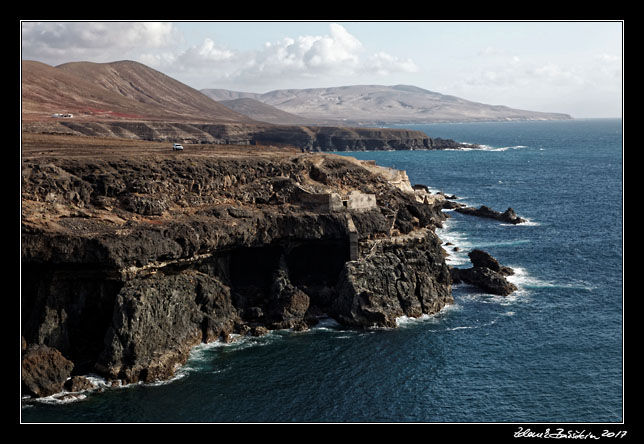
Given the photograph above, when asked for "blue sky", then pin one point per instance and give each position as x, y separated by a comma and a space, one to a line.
570, 67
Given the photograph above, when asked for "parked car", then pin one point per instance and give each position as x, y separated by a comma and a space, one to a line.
177, 146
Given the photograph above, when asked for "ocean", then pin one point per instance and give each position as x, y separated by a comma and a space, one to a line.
552, 352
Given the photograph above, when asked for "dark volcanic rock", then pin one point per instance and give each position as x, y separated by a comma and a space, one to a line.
448, 144
486, 274
157, 320
508, 215
288, 304
485, 279
128, 262
79, 384
44, 370
480, 258
391, 282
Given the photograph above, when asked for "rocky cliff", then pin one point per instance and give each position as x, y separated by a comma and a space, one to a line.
129, 260
309, 138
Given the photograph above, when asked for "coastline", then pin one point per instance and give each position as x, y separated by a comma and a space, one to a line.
150, 246
375, 240
474, 331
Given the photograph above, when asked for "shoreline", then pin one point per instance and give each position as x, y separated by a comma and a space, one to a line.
183, 370
169, 242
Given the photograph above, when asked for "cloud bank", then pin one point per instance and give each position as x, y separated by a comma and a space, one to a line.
60, 42
336, 55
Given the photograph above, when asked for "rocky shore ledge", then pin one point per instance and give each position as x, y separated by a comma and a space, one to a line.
131, 258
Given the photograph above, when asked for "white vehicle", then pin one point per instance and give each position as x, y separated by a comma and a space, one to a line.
177, 146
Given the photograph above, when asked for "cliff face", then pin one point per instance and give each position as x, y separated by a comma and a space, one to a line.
129, 261
308, 138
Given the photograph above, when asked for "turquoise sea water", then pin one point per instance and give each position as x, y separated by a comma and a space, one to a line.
550, 352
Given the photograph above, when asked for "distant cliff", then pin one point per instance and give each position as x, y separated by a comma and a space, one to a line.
309, 138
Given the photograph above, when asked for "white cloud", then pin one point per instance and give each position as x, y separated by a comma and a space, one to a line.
60, 42
334, 55
386, 64
208, 51
512, 71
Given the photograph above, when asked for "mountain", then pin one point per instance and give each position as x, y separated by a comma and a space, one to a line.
129, 100
262, 112
376, 104
117, 90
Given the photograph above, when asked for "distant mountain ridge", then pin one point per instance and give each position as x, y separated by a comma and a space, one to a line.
377, 104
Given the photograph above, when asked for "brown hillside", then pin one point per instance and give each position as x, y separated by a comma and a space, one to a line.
118, 90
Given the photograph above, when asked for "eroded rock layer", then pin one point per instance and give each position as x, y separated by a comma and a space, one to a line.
129, 261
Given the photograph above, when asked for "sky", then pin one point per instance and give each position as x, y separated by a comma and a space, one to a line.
573, 67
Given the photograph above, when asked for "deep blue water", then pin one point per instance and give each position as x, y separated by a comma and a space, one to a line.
551, 352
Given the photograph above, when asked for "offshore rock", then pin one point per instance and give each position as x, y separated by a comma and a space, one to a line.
79, 384
508, 216
486, 274
480, 258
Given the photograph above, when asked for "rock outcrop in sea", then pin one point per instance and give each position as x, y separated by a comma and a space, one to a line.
508, 216
486, 273
130, 261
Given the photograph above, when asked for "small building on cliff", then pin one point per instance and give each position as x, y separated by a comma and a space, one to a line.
331, 202
360, 201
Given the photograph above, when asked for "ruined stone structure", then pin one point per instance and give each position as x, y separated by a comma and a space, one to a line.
359, 201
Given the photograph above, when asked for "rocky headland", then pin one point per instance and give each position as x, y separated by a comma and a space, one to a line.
130, 257
133, 253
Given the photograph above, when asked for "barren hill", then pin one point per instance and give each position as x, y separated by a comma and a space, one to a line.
131, 101
375, 104
265, 113
122, 90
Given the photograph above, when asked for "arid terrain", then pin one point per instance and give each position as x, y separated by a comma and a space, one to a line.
129, 100
64, 146
122, 90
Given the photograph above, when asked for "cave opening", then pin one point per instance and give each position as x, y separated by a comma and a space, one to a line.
317, 263
311, 266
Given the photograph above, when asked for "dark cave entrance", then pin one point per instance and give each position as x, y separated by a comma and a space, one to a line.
311, 266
